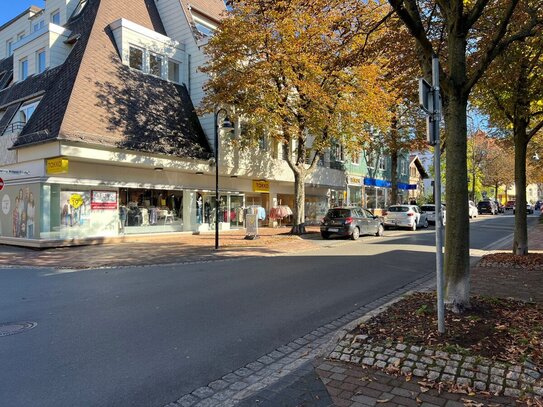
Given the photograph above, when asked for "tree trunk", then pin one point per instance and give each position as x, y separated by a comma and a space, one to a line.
520, 242
394, 177
456, 265
298, 228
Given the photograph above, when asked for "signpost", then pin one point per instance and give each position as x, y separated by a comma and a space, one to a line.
430, 102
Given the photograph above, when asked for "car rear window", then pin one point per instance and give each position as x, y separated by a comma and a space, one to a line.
338, 213
428, 208
398, 209
484, 203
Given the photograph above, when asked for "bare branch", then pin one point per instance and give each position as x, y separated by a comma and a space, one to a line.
472, 17
534, 130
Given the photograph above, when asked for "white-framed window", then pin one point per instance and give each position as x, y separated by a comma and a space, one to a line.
23, 69
135, 58
174, 71
155, 64
355, 158
79, 8
9, 47
38, 25
27, 110
370, 160
40, 61
382, 163
263, 143
55, 17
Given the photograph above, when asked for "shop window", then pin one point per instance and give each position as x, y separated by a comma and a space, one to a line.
136, 58
155, 65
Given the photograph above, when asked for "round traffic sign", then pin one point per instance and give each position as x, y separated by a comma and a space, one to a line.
1, 184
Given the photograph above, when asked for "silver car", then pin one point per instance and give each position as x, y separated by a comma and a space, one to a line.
405, 216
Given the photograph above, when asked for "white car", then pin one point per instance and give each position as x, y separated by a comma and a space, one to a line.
405, 216
430, 211
473, 211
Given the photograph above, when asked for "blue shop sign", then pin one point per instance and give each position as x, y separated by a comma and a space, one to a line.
373, 182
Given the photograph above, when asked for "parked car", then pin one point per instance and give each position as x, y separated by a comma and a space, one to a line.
352, 222
430, 211
510, 205
529, 209
501, 208
405, 216
538, 205
473, 212
487, 206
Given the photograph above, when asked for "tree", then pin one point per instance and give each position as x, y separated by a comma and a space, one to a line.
301, 72
498, 168
512, 95
467, 37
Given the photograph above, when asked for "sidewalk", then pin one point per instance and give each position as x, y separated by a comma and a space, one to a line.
351, 384
161, 249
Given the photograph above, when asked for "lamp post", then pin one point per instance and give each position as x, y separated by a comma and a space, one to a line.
225, 124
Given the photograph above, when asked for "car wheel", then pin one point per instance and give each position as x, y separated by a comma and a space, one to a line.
414, 226
425, 225
325, 235
356, 234
380, 230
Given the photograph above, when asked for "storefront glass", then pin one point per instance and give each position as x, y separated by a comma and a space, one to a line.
355, 195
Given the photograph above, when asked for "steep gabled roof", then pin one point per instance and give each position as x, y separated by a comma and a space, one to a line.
98, 100
414, 159
214, 9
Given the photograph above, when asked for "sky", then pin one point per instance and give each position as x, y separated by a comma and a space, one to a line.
12, 8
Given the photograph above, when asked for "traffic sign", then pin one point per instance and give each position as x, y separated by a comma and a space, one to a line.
1, 184
425, 96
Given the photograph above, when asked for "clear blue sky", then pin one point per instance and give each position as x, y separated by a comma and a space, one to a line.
11, 8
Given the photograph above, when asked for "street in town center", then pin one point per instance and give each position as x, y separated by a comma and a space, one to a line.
145, 336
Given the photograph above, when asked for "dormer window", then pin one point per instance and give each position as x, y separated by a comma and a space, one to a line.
40, 61
135, 59
27, 111
79, 8
174, 71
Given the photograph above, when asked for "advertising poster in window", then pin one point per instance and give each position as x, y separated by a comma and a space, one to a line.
103, 200
19, 211
75, 208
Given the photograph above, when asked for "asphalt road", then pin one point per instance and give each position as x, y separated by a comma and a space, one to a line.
144, 336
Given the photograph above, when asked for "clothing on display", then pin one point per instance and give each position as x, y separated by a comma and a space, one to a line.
257, 210
280, 212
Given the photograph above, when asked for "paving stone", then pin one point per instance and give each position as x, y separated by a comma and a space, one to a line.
400, 355
406, 370
435, 368
365, 400
401, 392
404, 401
467, 365
496, 379
348, 351
412, 357
463, 381
427, 360
415, 349
210, 402
266, 360
467, 373
389, 352
497, 372
378, 349
381, 364
432, 375
380, 386
369, 354
469, 359
538, 391
511, 375
335, 355
408, 363
511, 392
456, 357
495, 388
428, 398
276, 354
380, 356
420, 365
255, 366
481, 386
451, 403
511, 383
355, 359
429, 352
483, 369
527, 378
203, 392
420, 372
224, 395
441, 362
345, 358
338, 376
481, 377
218, 385
187, 400
447, 378
230, 378
238, 386
368, 361
442, 355
450, 370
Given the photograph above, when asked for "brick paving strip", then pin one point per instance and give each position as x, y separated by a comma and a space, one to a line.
284, 361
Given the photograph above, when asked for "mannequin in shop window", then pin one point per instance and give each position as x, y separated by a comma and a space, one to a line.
199, 208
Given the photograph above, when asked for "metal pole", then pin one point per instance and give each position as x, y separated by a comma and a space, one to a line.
437, 182
217, 180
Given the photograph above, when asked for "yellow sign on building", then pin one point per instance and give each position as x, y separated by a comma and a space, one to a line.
261, 186
57, 165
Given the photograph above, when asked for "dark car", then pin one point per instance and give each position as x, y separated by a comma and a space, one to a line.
510, 205
351, 222
538, 205
487, 207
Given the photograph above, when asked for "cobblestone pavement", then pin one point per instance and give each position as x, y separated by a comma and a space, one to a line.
160, 249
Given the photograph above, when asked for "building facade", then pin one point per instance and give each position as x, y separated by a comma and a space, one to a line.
99, 135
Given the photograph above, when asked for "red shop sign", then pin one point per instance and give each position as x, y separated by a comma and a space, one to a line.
1, 184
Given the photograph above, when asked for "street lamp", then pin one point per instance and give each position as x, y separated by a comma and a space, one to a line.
225, 124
